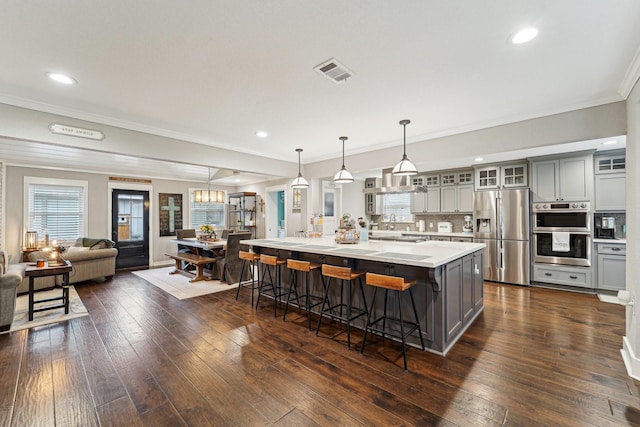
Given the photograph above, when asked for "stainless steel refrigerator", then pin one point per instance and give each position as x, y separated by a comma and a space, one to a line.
501, 221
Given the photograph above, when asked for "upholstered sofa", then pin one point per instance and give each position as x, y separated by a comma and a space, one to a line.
10, 278
90, 258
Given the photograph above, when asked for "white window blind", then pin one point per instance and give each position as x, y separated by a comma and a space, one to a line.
399, 205
56, 210
207, 213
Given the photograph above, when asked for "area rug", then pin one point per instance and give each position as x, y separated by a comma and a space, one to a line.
179, 285
21, 315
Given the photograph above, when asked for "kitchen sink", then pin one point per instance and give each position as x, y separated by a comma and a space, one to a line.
413, 239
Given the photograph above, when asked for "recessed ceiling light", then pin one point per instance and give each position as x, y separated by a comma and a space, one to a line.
261, 134
613, 141
62, 78
478, 159
524, 36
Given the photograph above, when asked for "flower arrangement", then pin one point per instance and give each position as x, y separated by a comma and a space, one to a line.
208, 229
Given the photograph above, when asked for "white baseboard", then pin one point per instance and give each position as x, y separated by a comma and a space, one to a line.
631, 361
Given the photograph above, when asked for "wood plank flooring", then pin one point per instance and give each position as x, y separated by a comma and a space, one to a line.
143, 358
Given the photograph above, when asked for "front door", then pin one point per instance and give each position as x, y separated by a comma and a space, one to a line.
130, 227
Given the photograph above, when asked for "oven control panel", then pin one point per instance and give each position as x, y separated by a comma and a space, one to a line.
562, 207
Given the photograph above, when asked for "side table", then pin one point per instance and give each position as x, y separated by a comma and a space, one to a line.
54, 268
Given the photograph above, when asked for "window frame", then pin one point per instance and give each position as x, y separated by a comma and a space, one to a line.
191, 208
55, 182
386, 216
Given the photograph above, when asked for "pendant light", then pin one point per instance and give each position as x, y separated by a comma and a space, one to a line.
343, 176
299, 182
208, 196
404, 166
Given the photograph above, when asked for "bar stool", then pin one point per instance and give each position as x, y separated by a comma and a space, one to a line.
274, 287
343, 274
251, 258
305, 268
398, 285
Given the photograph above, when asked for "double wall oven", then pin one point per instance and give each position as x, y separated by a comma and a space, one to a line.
562, 233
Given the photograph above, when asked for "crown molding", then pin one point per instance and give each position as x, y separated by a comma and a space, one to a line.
631, 76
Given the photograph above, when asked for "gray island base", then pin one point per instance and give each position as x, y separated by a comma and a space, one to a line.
449, 290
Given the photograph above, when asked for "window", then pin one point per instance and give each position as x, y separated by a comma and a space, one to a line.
206, 213
56, 208
399, 205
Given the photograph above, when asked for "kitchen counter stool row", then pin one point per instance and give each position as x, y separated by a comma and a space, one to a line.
332, 303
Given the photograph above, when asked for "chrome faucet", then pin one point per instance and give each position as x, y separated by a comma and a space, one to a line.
392, 218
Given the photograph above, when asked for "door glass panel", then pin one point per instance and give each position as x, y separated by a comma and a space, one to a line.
130, 217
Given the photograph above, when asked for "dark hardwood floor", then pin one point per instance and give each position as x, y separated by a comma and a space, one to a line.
534, 357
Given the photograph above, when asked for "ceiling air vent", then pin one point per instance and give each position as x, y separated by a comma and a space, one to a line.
334, 71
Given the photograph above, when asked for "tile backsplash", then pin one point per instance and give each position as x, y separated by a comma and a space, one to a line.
432, 221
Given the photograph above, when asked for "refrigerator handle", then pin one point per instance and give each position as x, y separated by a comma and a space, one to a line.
499, 215
501, 254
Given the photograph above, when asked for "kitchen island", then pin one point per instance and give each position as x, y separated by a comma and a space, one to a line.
449, 292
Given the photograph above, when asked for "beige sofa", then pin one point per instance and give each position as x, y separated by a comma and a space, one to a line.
90, 260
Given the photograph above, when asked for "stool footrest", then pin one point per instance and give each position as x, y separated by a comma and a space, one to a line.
411, 325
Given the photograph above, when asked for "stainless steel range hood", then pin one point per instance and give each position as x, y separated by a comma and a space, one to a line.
394, 184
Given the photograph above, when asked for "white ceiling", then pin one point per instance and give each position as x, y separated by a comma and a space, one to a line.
216, 72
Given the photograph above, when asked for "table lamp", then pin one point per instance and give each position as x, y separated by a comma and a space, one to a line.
31, 240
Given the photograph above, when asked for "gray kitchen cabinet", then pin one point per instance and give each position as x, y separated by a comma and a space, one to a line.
440, 238
453, 316
462, 239
614, 163
457, 198
569, 179
487, 177
563, 275
610, 192
513, 176
611, 266
427, 202
372, 202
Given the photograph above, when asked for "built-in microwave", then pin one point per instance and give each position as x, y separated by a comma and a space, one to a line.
566, 216
577, 250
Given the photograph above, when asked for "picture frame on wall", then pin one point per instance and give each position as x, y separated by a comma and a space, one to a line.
170, 213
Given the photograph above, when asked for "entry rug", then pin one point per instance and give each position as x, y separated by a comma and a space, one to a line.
21, 315
179, 285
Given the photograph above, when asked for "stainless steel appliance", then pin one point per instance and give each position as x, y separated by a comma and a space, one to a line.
562, 233
565, 216
502, 223
606, 227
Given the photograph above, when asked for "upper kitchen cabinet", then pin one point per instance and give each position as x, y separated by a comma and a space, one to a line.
456, 191
610, 183
427, 202
372, 202
568, 179
458, 198
487, 177
501, 176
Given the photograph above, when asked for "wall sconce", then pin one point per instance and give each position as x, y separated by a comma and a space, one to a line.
31, 240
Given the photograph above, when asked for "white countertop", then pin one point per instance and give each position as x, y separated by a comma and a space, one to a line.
419, 233
612, 241
429, 254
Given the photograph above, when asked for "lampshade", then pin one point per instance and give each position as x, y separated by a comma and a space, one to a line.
343, 176
299, 182
31, 240
404, 166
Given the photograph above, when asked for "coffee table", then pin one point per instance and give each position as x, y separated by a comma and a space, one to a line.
54, 268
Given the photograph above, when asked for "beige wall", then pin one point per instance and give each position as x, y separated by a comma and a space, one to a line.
99, 214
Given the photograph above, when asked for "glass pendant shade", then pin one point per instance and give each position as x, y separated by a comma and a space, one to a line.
299, 182
343, 176
404, 166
